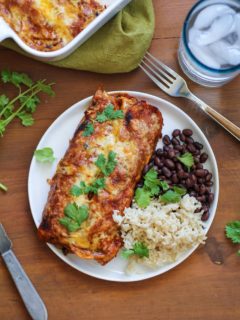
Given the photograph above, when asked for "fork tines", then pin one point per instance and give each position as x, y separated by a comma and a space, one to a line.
161, 74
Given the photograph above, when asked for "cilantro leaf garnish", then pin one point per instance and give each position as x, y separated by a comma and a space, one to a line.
3, 187
142, 197
85, 189
108, 165
139, 249
170, 197
74, 216
109, 114
180, 190
44, 155
187, 159
89, 129
152, 187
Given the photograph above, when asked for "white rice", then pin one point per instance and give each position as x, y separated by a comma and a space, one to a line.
167, 230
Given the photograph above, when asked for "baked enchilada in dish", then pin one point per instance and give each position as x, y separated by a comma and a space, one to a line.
48, 25
98, 174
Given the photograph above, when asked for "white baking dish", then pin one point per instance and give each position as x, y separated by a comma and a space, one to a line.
113, 6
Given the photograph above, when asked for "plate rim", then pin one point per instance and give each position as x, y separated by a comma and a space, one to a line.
143, 96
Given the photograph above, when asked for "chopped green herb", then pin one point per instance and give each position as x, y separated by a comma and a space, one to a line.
151, 187
23, 104
139, 249
44, 155
180, 190
142, 197
187, 159
74, 216
170, 197
127, 253
108, 165
3, 187
109, 114
85, 189
89, 129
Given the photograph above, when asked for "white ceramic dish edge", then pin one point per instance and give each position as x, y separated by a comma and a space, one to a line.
156, 272
113, 7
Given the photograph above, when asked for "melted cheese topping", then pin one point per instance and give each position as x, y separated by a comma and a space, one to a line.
48, 25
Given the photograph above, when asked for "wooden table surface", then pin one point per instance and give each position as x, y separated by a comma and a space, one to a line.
205, 286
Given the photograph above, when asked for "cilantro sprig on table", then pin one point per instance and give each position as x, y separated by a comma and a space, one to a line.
139, 249
233, 232
153, 186
74, 216
24, 104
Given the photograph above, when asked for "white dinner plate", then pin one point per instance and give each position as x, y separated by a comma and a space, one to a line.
57, 137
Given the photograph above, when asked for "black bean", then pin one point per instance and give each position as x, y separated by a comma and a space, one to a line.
166, 148
169, 163
182, 175
193, 167
198, 145
175, 159
182, 137
193, 194
175, 178
200, 180
187, 132
166, 172
178, 147
210, 197
162, 177
193, 178
140, 185
146, 168
189, 140
159, 171
171, 153
200, 173
196, 187
201, 198
159, 152
205, 216
179, 166
184, 148
175, 141
176, 132
188, 183
209, 183
191, 148
196, 160
208, 177
199, 166
202, 189
166, 140
203, 157
197, 210
158, 162
205, 207
197, 152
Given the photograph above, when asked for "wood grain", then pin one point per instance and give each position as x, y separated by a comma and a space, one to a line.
205, 286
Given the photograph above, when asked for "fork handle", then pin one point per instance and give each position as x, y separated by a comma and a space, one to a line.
31, 298
220, 119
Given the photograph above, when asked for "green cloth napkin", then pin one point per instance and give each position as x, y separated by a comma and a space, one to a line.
117, 47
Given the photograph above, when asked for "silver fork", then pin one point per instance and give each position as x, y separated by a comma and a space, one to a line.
174, 85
